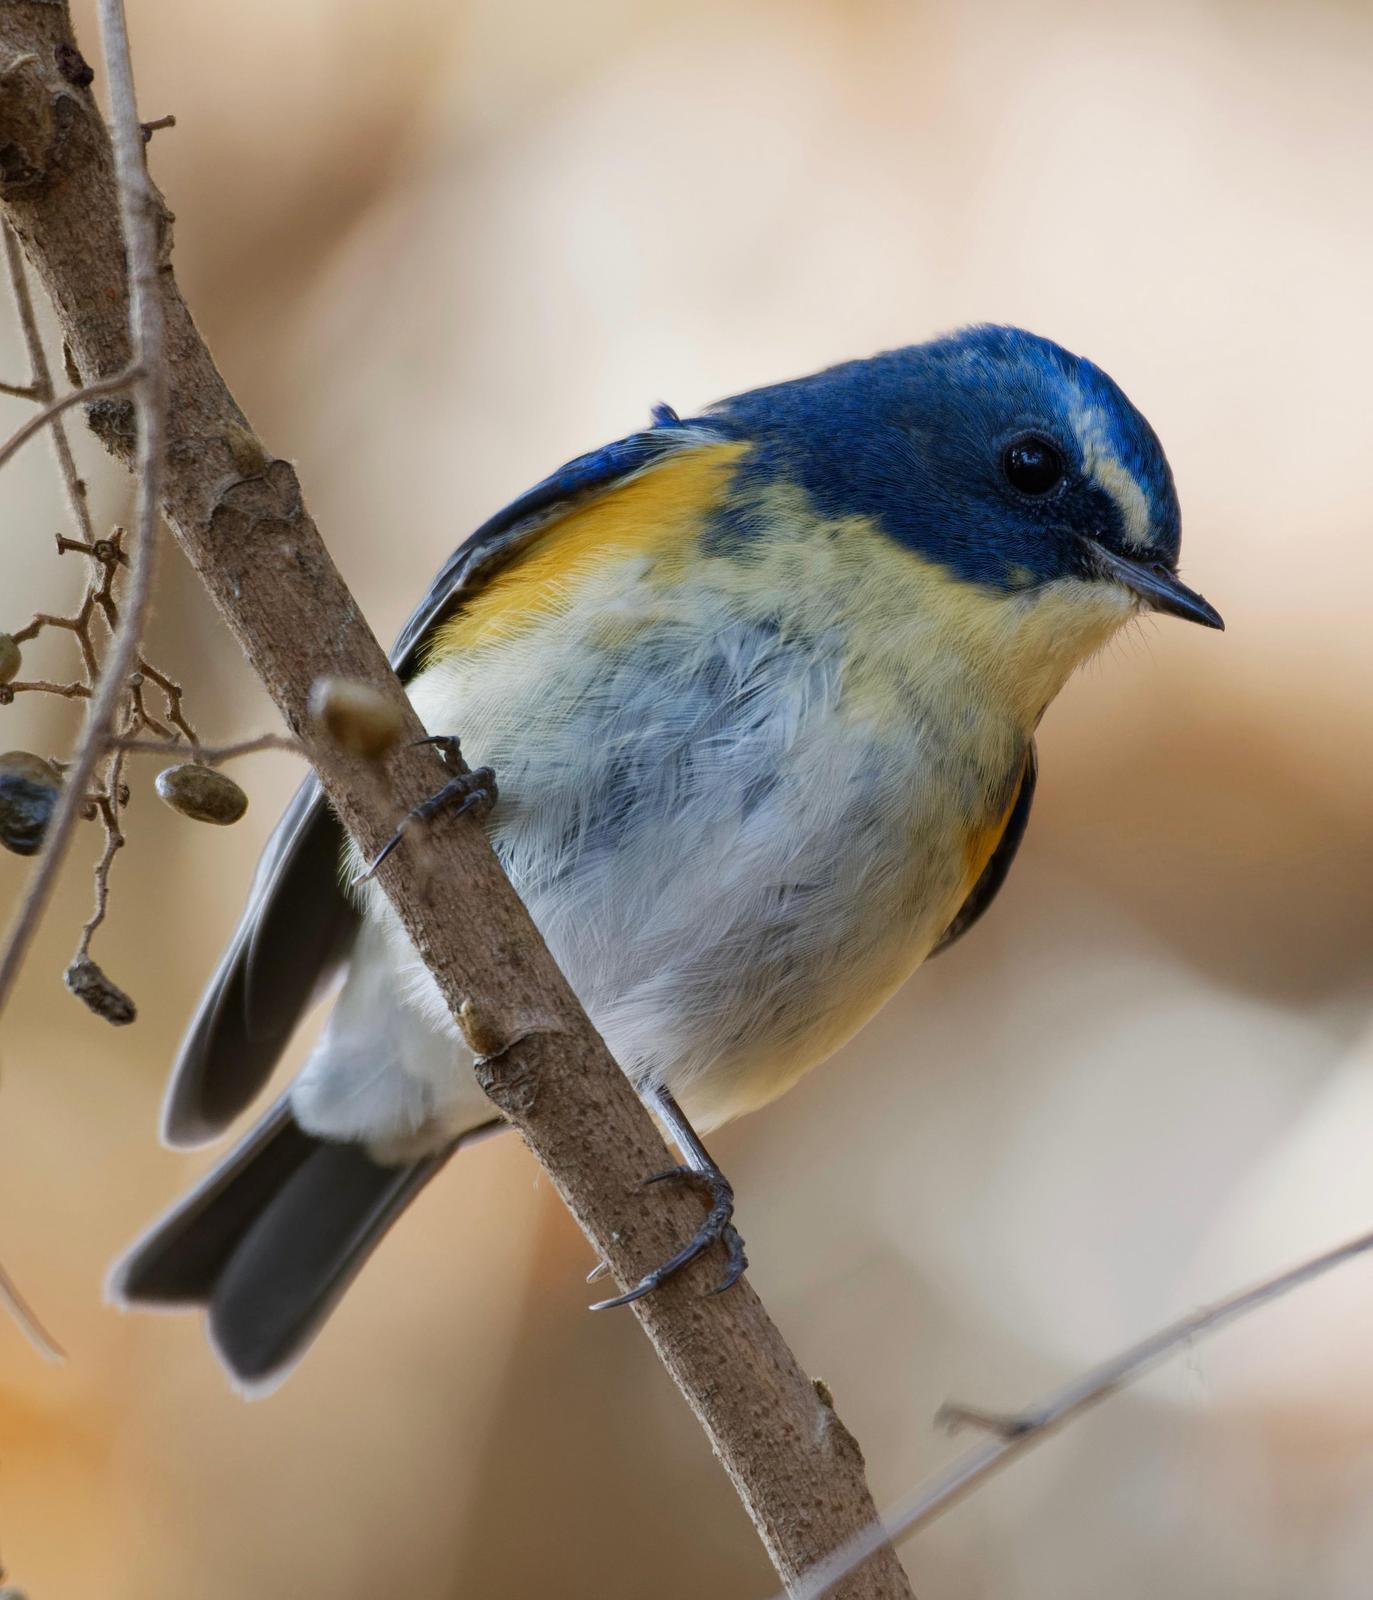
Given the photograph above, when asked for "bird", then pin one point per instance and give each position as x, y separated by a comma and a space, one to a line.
752, 697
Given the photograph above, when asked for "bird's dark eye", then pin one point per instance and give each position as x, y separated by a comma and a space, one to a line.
1032, 464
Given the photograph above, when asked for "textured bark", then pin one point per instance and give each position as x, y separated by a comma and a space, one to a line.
238, 514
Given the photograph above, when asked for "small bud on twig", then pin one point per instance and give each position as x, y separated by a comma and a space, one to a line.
480, 1037
29, 787
10, 659
202, 794
94, 990
73, 65
357, 719
148, 129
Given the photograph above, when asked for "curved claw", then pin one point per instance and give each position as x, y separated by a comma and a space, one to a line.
464, 790
370, 869
737, 1265
640, 1289
717, 1226
449, 747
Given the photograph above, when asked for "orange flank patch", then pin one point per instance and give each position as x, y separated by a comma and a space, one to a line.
981, 843
658, 515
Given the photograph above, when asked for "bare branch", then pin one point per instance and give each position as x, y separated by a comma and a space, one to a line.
210, 755
172, 699
54, 409
64, 691
41, 388
108, 806
241, 518
1016, 1432
28, 1321
145, 377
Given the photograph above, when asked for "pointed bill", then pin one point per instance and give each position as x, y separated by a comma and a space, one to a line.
1158, 587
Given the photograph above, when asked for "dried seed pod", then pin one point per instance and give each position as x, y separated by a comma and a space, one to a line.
93, 989
359, 720
29, 787
202, 793
10, 659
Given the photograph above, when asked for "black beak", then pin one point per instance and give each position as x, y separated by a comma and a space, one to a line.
1158, 587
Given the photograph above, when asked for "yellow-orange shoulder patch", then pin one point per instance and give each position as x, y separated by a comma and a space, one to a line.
659, 514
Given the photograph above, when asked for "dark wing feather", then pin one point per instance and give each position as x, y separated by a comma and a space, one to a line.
299, 925
985, 890
295, 931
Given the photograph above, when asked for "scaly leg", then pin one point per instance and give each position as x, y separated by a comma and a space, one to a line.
701, 1171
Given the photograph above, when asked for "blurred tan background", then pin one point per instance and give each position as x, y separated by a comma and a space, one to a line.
440, 248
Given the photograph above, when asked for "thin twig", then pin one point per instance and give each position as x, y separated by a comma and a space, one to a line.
1019, 1431
108, 805
45, 619
209, 755
27, 1318
107, 556
172, 695
145, 377
41, 387
65, 691
130, 378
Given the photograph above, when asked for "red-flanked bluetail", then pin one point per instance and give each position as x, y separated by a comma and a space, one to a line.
759, 689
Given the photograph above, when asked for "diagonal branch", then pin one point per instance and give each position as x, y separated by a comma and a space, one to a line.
1019, 1431
239, 516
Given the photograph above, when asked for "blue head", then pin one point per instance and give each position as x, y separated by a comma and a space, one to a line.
992, 452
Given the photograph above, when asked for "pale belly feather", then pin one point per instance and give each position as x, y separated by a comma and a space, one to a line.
733, 863
741, 814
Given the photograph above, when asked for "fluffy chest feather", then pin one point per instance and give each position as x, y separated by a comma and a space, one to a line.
741, 800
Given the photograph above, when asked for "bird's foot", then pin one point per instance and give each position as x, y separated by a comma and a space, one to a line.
717, 1226
466, 790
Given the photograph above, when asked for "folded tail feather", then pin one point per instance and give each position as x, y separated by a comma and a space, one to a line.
270, 1240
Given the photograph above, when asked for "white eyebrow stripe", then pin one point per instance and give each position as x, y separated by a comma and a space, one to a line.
1106, 470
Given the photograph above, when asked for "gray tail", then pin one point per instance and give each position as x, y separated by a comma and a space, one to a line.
269, 1242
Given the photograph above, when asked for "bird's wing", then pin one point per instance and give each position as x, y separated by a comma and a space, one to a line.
299, 924
993, 875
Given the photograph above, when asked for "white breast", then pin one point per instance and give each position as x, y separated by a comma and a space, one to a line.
733, 865
736, 797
